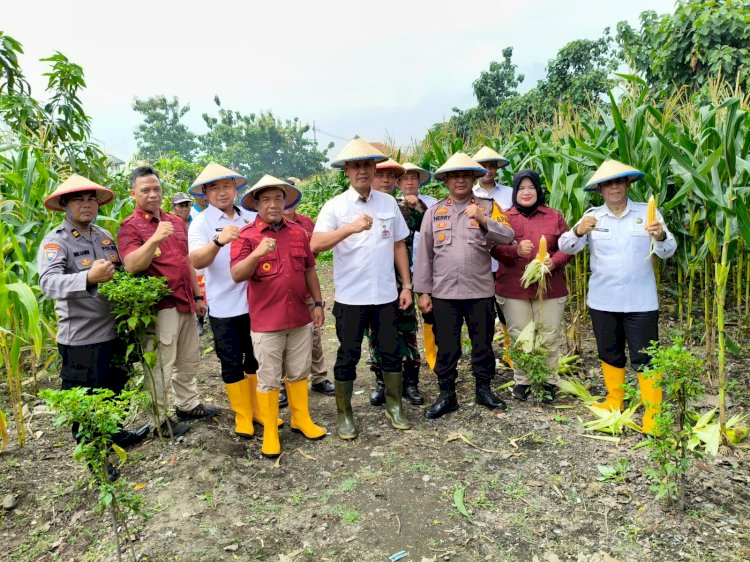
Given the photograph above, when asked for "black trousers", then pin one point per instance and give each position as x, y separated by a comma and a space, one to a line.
450, 315
234, 347
97, 365
351, 321
613, 330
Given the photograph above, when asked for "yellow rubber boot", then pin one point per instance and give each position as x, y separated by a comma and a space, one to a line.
239, 399
268, 404
506, 346
614, 380
430, 349
300, 407
253, 399
651, 396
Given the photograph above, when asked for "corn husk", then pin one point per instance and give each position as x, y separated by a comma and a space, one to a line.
612, 422
536, 271
574, 387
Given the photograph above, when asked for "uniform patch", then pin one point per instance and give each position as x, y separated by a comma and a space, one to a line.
639, 220
81, 253
482, 209
441, 211
473, 224
441, 237
498, 215
106, 241
50, 251
442, 224
75, 233
157, 252
265, 267
449, 201
86, 262
114, 257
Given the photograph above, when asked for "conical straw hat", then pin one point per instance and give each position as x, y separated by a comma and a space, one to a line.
459, 162
293, 195
486, 154
76, 184
214, 172
391, 164
357, 149
424, 175
610, 170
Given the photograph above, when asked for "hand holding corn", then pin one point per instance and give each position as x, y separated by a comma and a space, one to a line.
654, 228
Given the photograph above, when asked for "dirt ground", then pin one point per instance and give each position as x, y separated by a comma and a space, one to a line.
531, 487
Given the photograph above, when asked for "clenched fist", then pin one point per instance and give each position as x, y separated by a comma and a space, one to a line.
100, 272
473, 212
266, 246
362, 222
163, 231
228, 234
586, 225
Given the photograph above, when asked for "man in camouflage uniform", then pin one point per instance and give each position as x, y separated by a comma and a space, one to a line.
412, 209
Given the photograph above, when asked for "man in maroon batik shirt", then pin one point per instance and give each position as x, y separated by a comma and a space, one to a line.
155, 242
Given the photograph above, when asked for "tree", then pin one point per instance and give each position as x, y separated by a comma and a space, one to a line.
258, 144
702, 39
497, 85
162, 131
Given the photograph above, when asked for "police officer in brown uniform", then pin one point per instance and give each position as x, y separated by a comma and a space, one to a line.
75, 258
453, 275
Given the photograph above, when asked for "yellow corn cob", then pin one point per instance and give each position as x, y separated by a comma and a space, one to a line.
651, 211
541, 255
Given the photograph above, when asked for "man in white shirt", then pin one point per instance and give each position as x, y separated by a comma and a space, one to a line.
209, 238
503, 196
367, 232
622, 299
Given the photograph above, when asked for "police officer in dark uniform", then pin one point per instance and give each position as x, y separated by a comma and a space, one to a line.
74, 259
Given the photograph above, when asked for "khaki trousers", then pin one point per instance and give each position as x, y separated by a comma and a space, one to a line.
318, 371
286, 352
177, 358
547, 312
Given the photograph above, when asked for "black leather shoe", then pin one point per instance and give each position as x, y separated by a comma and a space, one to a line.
178, 428
411, 393
200, 412
484, 397
112, 473
324, 387
446, 403
521, 392
283, 398
127, 438
377, 396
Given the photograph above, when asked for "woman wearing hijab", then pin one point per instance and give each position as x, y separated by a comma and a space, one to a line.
531, 219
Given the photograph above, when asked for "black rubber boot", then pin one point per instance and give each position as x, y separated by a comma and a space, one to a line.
411, 381
445, 403
127, 438
377, 396
484, 397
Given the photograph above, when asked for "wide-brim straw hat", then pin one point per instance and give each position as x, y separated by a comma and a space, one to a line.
457, 163
611, 170
293, 195
424, 175
76, 184
391, 164
357, 149
215, 172
486, 154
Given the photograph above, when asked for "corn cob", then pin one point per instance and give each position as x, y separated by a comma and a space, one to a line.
542, 253
651, 211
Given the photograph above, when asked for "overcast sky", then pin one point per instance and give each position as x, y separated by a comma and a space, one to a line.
377, 69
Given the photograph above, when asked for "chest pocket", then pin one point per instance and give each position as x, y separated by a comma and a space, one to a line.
298, 258
442, 232
268, 265
385, 224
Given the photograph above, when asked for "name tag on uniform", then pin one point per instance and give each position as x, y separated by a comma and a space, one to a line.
385, 233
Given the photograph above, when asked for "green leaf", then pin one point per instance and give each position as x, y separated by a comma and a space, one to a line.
458, 501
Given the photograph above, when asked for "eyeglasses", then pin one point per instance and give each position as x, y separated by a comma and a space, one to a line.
183, 205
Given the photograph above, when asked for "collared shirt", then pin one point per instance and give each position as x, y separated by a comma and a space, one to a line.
453, 261
305, 222
277, 290
170, 258
428, 202
225, 298
64, 260
622, 276
546, 222
363, 270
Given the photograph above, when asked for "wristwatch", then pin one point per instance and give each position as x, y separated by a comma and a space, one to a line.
215, 240
320, 304
407, 286
198, 298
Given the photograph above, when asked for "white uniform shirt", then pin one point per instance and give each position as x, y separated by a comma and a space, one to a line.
503, 196
363, 269
225, 298
622, 277
429, 201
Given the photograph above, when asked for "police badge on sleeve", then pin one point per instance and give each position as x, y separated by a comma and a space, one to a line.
51, 251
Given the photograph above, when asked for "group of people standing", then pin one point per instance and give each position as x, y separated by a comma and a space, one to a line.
458, 261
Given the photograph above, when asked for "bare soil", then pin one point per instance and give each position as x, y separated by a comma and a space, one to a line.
531, 487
